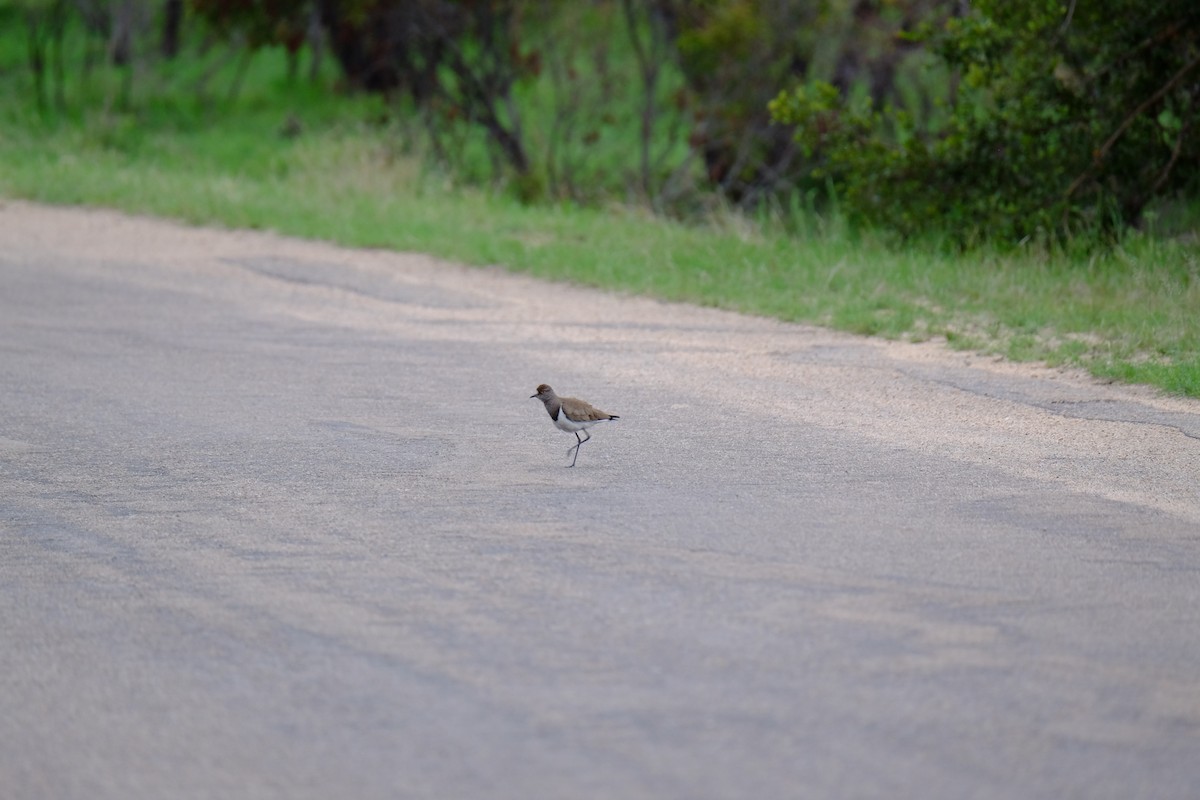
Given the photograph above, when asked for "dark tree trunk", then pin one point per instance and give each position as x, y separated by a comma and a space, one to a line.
172, 24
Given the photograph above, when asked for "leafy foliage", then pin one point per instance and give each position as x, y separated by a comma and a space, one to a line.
734, 53
262, 22
1034, 118
454, 59
1067, 119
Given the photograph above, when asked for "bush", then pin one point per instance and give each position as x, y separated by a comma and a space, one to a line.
1066, 121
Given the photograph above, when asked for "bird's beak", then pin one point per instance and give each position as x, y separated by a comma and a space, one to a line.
532, 396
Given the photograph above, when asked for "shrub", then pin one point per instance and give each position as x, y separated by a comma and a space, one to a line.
1066, 120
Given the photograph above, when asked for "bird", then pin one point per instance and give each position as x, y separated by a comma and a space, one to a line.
571, 415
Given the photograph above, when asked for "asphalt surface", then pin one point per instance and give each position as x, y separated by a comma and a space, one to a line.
278, 520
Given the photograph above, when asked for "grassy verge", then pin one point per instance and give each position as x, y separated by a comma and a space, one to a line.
1130, 315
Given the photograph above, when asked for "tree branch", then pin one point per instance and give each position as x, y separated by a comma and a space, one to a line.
1102, 153
1175, 151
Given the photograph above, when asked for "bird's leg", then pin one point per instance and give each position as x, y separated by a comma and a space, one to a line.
578, 442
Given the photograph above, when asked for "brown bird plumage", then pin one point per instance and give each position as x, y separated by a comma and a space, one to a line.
572, 415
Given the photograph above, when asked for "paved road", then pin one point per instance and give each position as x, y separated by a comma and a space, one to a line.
279, 520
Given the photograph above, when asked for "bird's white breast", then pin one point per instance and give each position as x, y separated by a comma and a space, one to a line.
569, 425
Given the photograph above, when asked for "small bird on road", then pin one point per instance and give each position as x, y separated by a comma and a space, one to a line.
571, 415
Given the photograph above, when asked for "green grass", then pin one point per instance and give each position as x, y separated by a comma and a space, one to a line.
1128, 315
